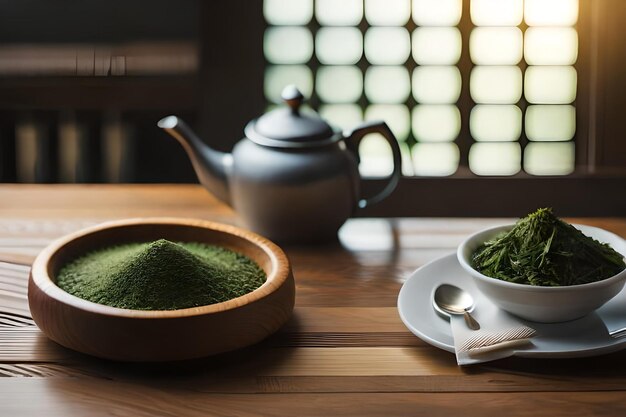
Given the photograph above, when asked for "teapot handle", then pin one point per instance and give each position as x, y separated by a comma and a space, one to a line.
353, 138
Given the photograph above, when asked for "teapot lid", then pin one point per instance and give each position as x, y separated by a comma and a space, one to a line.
290, 126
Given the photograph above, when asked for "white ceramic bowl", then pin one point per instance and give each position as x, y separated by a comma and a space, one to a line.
544, 304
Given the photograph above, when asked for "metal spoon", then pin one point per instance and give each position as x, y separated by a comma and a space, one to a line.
449, 299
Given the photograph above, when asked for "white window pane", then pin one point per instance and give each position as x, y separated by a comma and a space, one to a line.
437, 12
387, 12
496, 85
550, 46
278, 76
288, 12
387, 45
341, 116
339, 12
496, 46
435, 159
339, 84
376, 156
495, 158
549, 158
489, 123
551, 12
496, 12
436, 85
436, 122
550, 123
288, 45
387, 85
395, 115
339, 46
436, 46
407, 162
550, 85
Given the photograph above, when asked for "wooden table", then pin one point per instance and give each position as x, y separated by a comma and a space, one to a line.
345, 352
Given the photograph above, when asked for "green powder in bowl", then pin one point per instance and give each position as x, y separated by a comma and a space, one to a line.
161, 275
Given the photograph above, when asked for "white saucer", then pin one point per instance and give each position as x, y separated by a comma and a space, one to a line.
583, 337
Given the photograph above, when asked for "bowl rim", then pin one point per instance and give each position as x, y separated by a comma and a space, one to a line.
280, 269
534, 288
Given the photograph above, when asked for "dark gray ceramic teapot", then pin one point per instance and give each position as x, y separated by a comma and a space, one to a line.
293, 178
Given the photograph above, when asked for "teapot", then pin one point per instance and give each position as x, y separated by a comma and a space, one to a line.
293, 178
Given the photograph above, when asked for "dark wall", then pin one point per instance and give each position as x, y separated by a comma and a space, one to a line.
42, 21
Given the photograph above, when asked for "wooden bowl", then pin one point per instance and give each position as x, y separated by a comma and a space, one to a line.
146, 336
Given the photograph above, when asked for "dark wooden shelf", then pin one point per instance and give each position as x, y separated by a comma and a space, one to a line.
89, 93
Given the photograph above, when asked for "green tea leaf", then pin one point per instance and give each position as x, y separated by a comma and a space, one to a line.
543, 250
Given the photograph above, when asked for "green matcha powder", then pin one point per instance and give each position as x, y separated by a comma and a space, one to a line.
161, 275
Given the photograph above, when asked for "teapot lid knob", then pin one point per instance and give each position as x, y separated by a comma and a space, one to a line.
291, 126
293, 97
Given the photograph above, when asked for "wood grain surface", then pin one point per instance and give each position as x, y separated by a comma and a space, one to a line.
344, 352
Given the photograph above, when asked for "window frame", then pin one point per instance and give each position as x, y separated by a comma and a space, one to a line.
593, 189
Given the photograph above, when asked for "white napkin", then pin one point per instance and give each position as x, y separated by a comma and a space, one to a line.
493, 324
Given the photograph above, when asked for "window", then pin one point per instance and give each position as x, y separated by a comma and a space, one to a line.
488, 86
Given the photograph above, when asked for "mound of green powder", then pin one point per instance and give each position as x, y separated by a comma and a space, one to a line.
161, 275
543, 250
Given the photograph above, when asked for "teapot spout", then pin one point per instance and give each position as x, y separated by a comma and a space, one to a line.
212, 167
